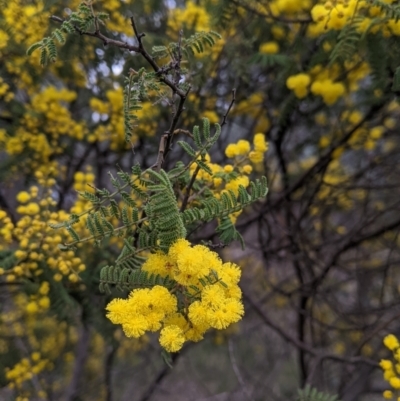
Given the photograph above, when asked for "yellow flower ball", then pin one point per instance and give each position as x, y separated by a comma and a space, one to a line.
247, 169
23, 197
172, 338
395, 383
299, 84
231, 150
385, 364
32, 208
32, 307
391, 342
243, 147
269, 48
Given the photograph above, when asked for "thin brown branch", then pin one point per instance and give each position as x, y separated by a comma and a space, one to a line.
188, 189
229, 107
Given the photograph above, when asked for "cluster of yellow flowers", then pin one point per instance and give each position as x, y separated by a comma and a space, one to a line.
335, 14
46, 119
45, 339
269, 48
242, 150
27, 22
231, 176
191, 17
329, 90
36, 240
206, 296
6, 228
25, 369
391, 369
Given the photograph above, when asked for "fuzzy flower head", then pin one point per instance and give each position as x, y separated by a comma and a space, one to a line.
191, 266
172, 338
299, 84
144, 310
391, 342
329, 90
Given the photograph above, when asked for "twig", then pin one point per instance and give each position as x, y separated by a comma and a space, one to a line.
188, 189
97, 34
305, 347
177, 114
236, 370
229, 108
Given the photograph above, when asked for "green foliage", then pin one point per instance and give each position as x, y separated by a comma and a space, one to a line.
195, 43
125, 278
7, 259
188, 46
312, 394
220, 208
78, 22
392, 11
162, 222
163, 212
131, 104
396, 80
378, 60
347, 41
271, 60
203, 143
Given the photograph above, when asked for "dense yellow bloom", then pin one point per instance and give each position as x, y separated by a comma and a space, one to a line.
32, 208
387, 395
391, 342
319, 13
172, 338
299, 84
143, 311
192, 17
158, 263
256, 157
23, 197
212, 296
395, 382
269, 48
260, 144
243, 147
385, 364
198, 313
231, 150
191, 266
329, 90
210, 305
230, 312
234, 184
247, 169
180, 246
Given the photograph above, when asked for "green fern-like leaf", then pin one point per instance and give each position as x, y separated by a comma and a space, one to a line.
392, 11
33, 47
347, 41
312, 394
163, 210
90, 197
187, 148
227, 232
43, 55
59, 36
131, 278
